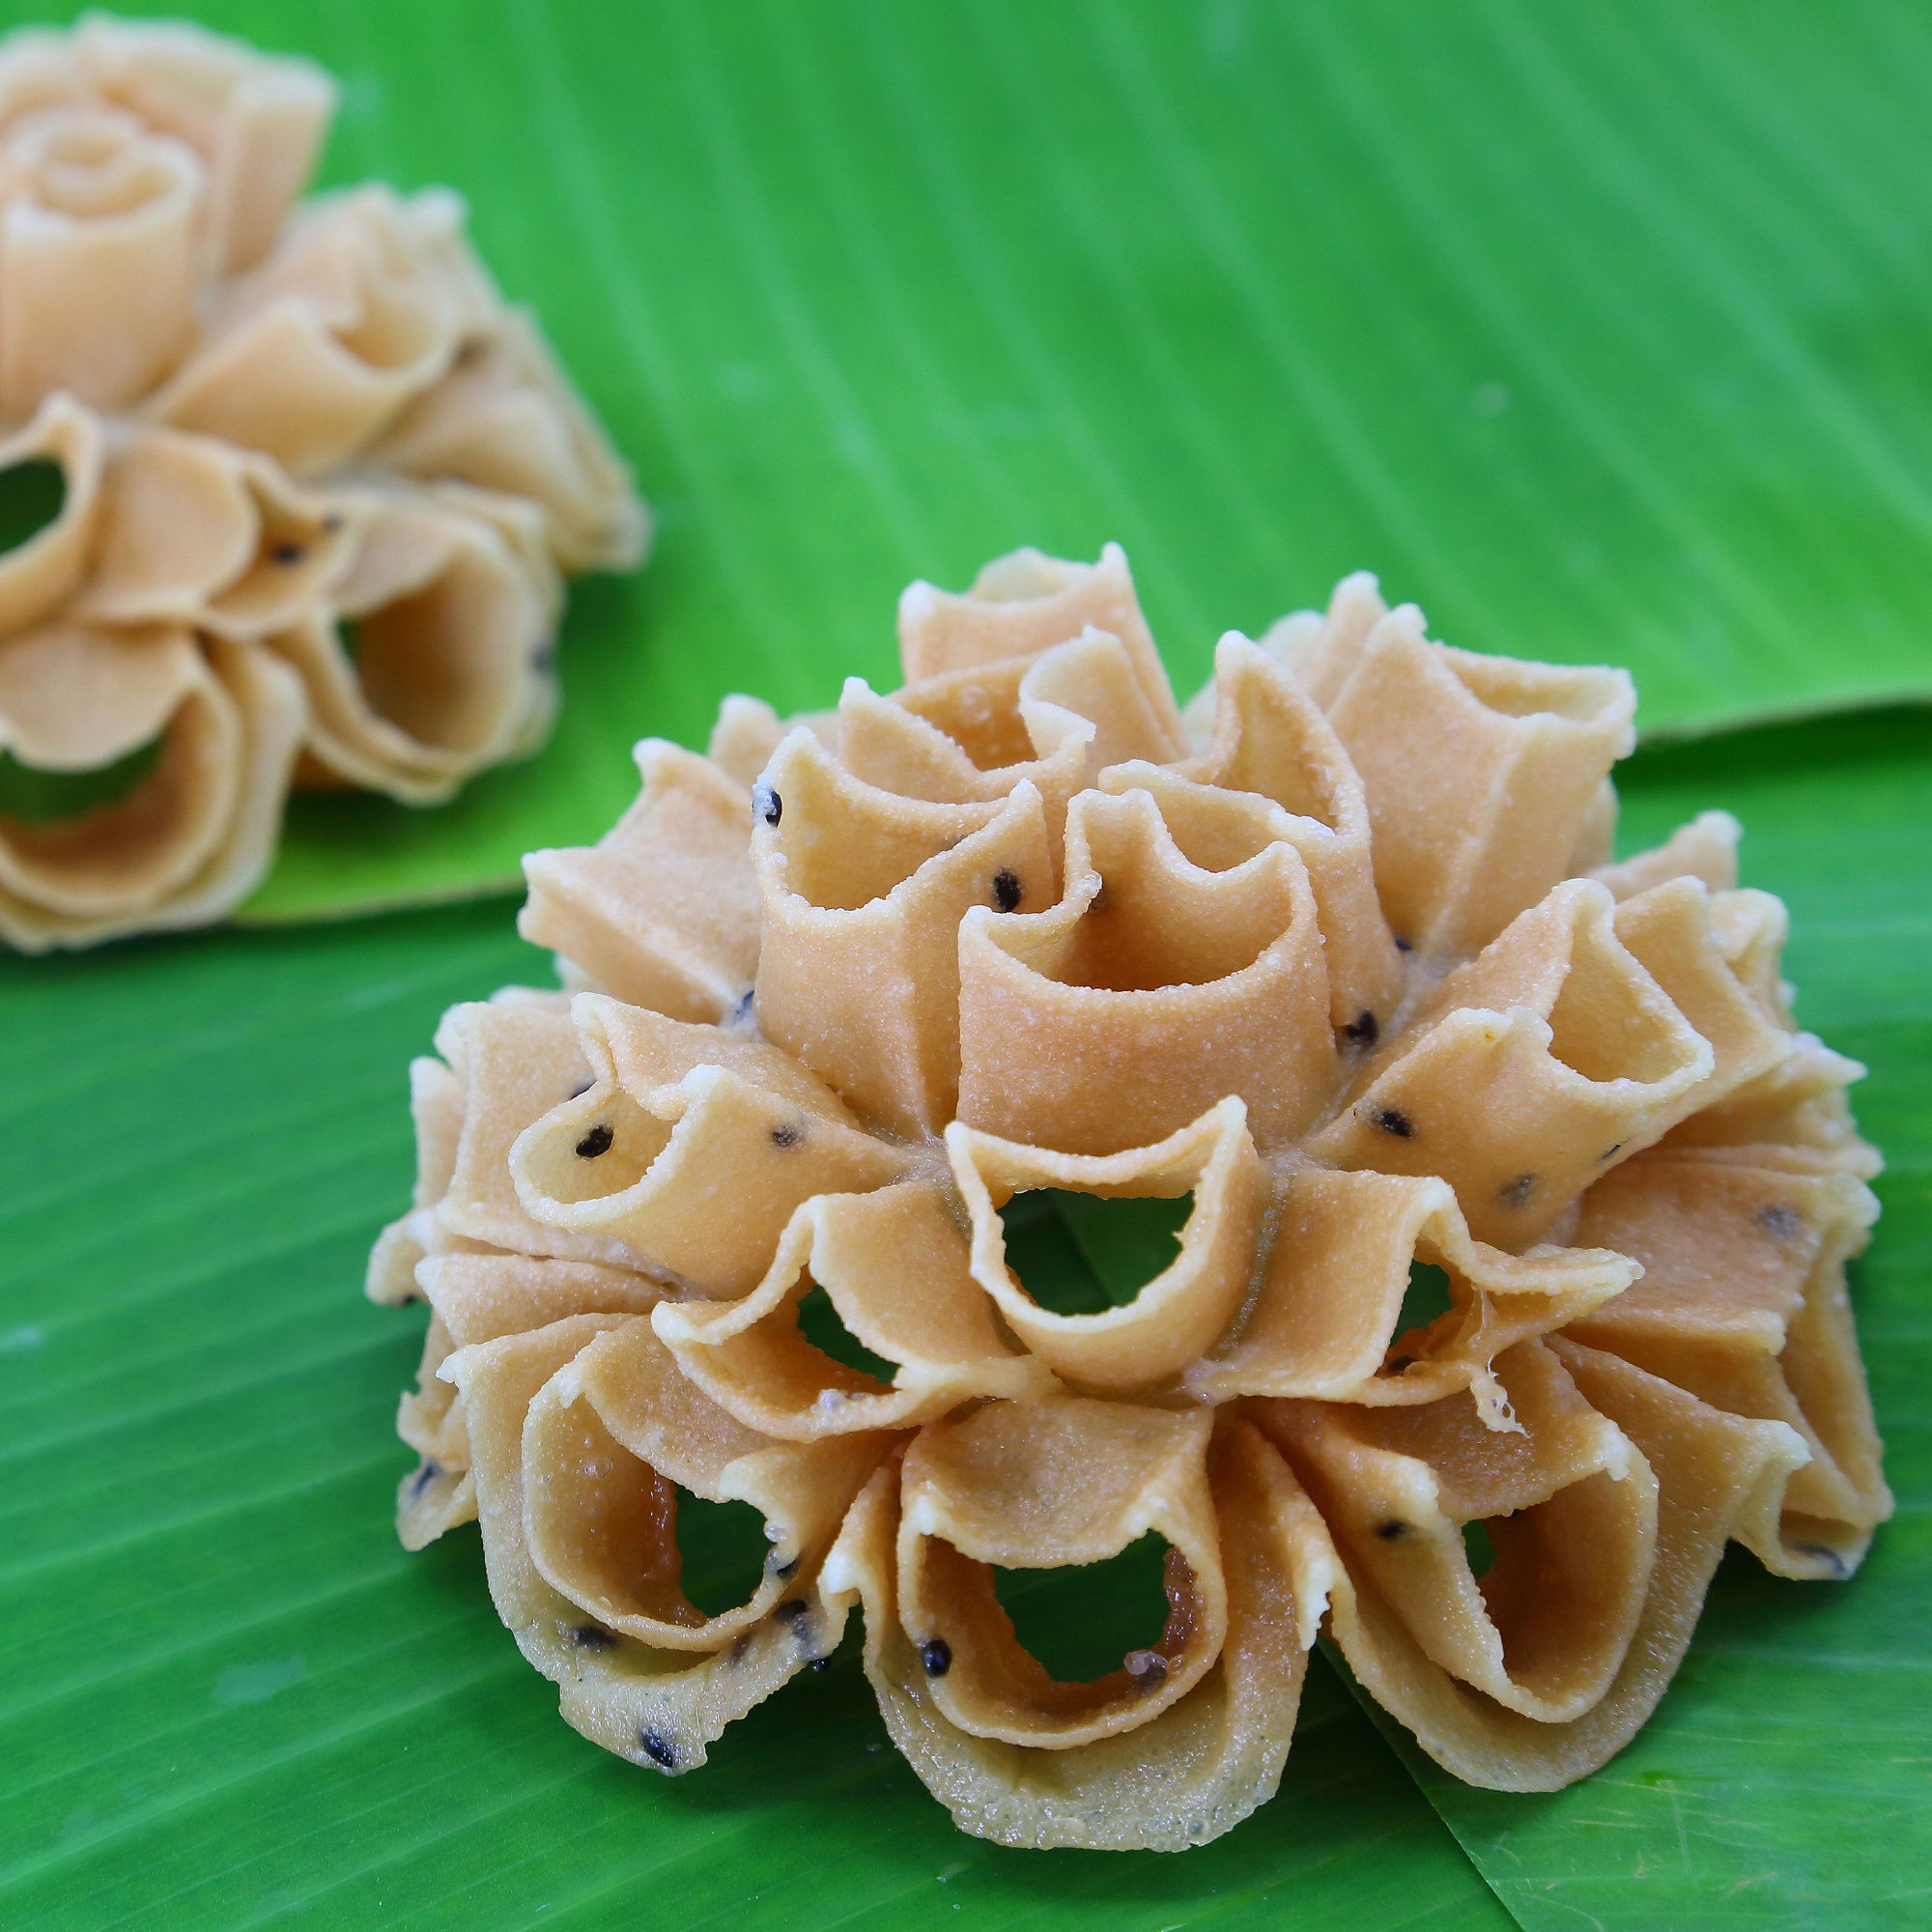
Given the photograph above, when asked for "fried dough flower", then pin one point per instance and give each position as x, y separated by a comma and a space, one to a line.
317, 482
1335, 961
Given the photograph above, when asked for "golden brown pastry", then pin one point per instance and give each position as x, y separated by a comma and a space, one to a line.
1334, 970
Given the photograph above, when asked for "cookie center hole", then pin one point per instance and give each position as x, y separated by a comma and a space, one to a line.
819, 1323
1426, 1298
1083, 1254
1482, 1552
30, 796
724, 1548
31, 495
1078, 1623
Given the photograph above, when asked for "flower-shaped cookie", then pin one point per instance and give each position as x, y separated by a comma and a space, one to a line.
310, 482
1331, 969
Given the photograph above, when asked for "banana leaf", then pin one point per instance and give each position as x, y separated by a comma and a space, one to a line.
1599, 330
226, 1697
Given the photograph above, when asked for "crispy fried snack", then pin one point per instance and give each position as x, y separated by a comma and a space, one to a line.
317, 483
1336, 961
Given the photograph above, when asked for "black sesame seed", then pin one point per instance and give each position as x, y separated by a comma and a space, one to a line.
1779, 1222
936, 1653
597, 1140
740, 1644
1008, 892
332, 521
1393, 1530
1401, 944
1148, 1670
1516, 1193
657, 1750
785, 1137
1393, 1121
1610, 1153
288, 552
593, 1637
425, 1475
1363, 1031
791, 1611
767, 803
781, 1569
1839, 1568
542, 659
744, 1011
822, 1663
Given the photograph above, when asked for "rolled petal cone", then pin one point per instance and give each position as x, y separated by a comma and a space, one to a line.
194, 834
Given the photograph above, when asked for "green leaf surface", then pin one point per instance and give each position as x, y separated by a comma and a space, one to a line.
1603, 330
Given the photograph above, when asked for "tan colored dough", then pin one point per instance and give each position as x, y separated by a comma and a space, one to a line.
36, 575
438, 1494
1320, 647
637, 1157
1183, 1777
1024, 916
1177, 1315
610, 1443
1571, 1508
1098, 688
1744, 1305
1478, 772
435, 1112
194, 531
1321, 1322
257, 120
1271, 740
194, 836
662, 911
1167, 986
515, 1057
359, 309
1712, 1471
96, 257
1041, 1486
862, 896
1025, 603
896, 1265
1671, 931
1532, 1067
1795, 1114
453, 669
477, 1298
745, 736
506, 418
1706, 849
888, 743
655, 1707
